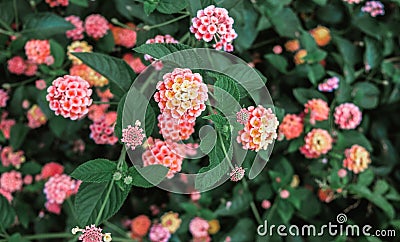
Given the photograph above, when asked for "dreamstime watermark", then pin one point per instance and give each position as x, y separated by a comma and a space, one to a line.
332, 229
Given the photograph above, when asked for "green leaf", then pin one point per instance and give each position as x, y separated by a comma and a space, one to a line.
365, 179
217, 168
43, 25
193, 6
349, 52
150, 121
148, 176
218, 120
320, 2
189, 208
378, 200
6, 12
228, 85
90, 198
171, 6
302, 95
150, 6
381, 187
82, 3
58, 52
277, 61
160, 50
17, 238
347, 138
369, 26
246, 18
295, 145
98, 170
243, 230
285, 210
373, 52
107, 43
286, 22
7, 215
366, 95
17, 135
118, 123
315, 73
239, 203
114, 69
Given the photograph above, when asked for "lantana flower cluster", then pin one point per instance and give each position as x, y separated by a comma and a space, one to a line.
70, 96
17, 65
259, 129
214, 23
38, 52
181, 95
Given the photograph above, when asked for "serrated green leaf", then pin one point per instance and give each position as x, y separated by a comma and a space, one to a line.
148, 176
98, 170
149, 6
381, 187
365, 178
90, 198
7, 215
286, 22
114, 69
347, 138
373, 52
160, 50
171, 6
43, 25
118, 123
218, 120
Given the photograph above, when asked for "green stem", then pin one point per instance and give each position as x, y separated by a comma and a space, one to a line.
16, 13
118, 23
48, 236
121, 159
9, 33
273, 208
100, 102
260, 44
103, 206
147, 27
9, 85
244, 182
184, 38
116, 228
6, 26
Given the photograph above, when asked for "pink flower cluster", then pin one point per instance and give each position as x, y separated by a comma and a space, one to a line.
133, 136
6, 124
51, 169
17, 65
291, 127
77, 32
55, 3
198, 227
9, 157
317, 143
175, 129
96, 26
181, 95
11, 181
102, 130
347, 116
374, 8
214, 23
36, 117
134, 62
353, 1
357, 159
38, 52
3, 98
260, 129
57, 189
158, 233
92, 234
318, 110
329, 85
70, 97
237, 174
125, 37
166, 153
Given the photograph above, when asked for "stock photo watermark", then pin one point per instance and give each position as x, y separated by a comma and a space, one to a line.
338, 228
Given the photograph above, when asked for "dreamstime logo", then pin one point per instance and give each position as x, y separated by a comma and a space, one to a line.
332, 229
140, 97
